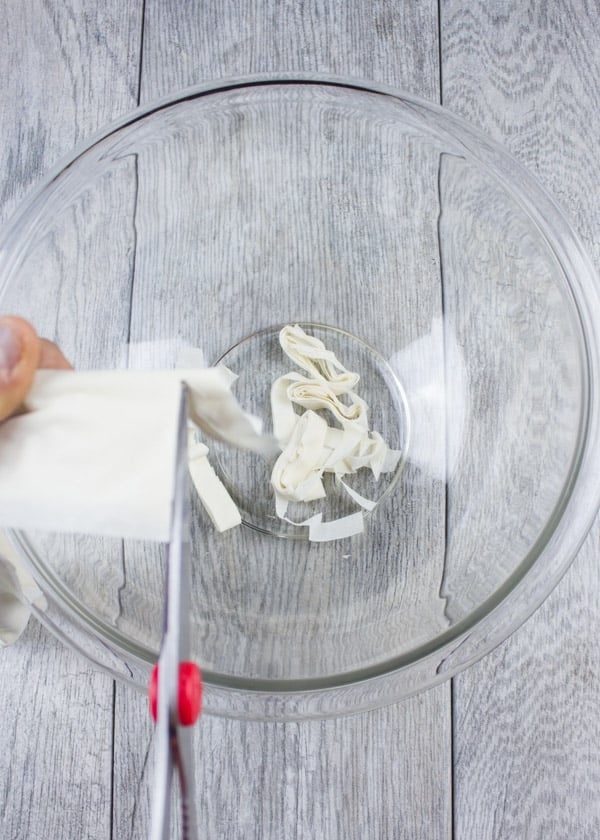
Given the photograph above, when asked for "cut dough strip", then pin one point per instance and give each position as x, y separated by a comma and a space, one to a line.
310, 446
311, 355
217, 502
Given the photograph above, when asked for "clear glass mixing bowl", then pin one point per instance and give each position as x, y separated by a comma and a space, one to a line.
433, 265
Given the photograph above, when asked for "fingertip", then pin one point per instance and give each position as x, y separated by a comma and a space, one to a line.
51, 357
24, 333
19, 358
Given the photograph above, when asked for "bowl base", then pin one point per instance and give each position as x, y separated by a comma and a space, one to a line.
259, 360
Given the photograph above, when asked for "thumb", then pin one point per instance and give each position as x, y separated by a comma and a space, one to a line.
19, 358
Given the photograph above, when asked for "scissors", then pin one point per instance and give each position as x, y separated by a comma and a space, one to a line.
175, 691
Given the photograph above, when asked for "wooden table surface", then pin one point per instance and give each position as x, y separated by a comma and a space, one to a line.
509, 749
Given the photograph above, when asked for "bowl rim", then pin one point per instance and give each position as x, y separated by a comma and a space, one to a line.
517, 598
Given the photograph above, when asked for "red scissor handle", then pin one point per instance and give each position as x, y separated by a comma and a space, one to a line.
190, 693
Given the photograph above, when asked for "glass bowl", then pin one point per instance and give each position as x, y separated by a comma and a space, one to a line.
435, 267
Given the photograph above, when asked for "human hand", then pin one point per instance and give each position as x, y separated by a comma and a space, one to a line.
22, 352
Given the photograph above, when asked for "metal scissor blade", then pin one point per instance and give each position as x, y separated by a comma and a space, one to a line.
173, 746
161, 789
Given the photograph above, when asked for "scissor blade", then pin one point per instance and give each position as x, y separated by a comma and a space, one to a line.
161, 789
175, 646
176, 642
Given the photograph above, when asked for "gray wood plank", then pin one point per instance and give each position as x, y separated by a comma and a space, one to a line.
194, 270
336, 778
384, 41
55, 742
514, 417
66, 69
526, 724
388, 770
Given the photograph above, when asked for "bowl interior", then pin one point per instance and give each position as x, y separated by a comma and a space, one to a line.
211, 221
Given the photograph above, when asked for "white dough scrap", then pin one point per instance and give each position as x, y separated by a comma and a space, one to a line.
296, 476
310, 446
217, 502
311, 355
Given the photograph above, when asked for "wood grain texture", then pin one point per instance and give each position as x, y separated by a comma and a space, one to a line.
68, 69
55, 742
65, 69
526, 722
386, 41
236, 228
514, 412
526, 726
336, 778
389, 770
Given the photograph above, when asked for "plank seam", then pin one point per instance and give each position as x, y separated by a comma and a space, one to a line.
133, 266
440, 53
141, 61
446, 506
112, 761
